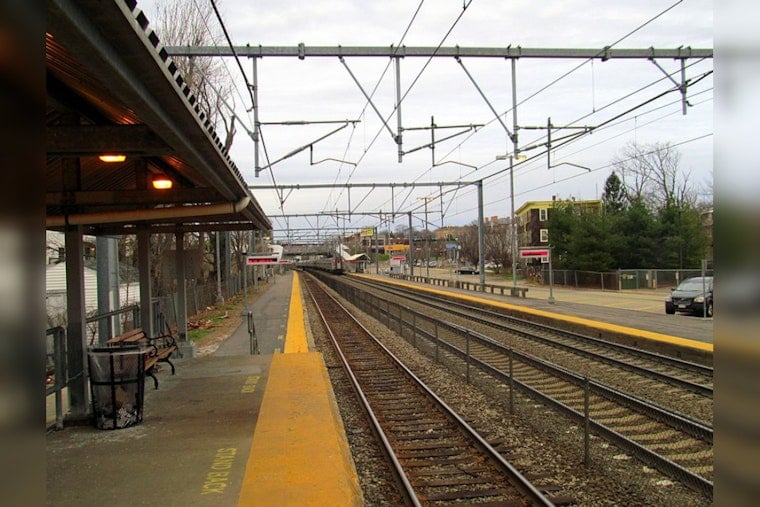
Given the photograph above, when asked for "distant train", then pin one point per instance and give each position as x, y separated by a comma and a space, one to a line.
332, 265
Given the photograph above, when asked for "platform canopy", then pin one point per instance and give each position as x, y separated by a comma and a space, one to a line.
113, 89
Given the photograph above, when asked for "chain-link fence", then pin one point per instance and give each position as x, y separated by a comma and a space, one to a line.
622, 279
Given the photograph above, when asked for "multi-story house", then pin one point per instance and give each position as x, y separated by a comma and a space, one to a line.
533, 219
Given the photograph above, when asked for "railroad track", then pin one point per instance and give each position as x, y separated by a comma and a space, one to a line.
644, 371
679, 446
438, 459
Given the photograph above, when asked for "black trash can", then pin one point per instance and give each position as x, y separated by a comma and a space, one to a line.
117, 386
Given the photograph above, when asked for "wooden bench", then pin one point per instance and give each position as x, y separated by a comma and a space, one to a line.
159, 349
518, 291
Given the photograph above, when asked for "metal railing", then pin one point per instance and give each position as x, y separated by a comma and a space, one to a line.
107, 325
55, 369
252, 338
408, 324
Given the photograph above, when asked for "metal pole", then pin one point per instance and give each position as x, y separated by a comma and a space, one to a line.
255, 268
256, 165
704, 289
481, 239
514, 107
399, 138
427, 242
551, 279
219, 297
245, 280
411, 246
512, 227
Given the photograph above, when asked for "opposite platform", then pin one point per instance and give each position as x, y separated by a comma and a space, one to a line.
681, 336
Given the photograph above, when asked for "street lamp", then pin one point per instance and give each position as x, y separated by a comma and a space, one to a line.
513, 224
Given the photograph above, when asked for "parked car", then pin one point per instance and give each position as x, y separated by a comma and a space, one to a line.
693, 295
468, 271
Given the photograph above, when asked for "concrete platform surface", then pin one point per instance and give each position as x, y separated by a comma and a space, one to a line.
228, 429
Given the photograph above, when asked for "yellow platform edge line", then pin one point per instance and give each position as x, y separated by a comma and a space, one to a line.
675, 340
299, 454
295, 338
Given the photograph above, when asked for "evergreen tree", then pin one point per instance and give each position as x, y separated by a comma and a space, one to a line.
563, 224
638, 229
682, 241
590, 244
614, 196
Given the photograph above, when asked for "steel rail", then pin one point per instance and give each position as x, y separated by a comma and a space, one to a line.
446, 305
676, 421
398, 471
514, 476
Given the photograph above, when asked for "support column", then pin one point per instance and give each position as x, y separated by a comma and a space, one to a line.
481, 238
218, 265
108, 286
253, 247
399, 130
143, 266
256, 165
186, 347
411, 246
231, 288
76, 336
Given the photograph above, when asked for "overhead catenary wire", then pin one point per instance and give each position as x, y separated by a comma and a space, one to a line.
232, 48
574, 69
573, 176
371, 95
409, 88
552, 83
352, 135
598, 110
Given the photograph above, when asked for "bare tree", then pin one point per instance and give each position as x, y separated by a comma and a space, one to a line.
240, 241
497, 244
183, 23
468, 243
652, 173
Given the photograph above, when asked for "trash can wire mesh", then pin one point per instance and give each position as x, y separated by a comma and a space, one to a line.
117, 385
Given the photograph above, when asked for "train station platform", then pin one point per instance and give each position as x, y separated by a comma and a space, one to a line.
234, 429
228, 429
634, 318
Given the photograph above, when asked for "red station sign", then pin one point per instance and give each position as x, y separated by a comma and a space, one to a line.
532, 253
261, 260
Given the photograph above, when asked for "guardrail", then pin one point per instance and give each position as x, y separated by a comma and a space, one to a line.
252, 338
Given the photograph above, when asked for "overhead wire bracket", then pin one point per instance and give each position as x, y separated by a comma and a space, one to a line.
396, 137
312, 143
682, 86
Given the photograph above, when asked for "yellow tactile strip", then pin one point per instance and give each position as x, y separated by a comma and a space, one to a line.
674, 340
295, 340
299, 455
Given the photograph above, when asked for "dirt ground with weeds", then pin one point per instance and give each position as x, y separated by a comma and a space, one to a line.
224, 322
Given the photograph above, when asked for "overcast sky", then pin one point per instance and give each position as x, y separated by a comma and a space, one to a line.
319, 89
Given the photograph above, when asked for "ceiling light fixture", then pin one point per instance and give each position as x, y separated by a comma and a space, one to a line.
111, 158
161, 182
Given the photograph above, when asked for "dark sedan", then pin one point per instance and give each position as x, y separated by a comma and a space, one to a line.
693, 295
